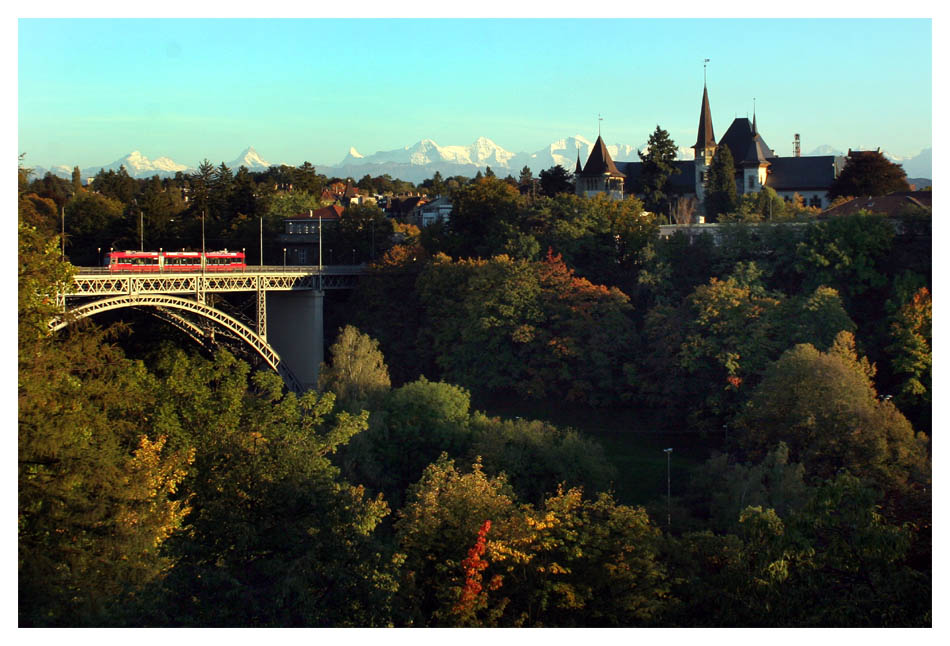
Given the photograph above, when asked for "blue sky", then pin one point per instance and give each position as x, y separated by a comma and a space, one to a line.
93, 90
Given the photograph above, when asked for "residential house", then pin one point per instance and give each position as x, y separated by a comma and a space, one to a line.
426, 213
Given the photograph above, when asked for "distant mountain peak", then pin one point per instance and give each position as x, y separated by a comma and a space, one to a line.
250, 159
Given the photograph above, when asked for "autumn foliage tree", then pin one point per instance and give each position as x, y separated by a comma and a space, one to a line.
533, 328
714, 346
823, 405
97, 480
568, 562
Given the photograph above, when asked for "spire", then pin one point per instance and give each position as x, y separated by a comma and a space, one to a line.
755, 129
577, 169
705, 138
599, 162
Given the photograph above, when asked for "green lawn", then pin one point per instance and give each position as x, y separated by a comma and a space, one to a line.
633, 441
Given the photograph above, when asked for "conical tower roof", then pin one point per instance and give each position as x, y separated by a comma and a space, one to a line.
577, 169
705, 138
599, 162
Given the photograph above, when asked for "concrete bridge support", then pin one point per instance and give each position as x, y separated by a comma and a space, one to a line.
295, 331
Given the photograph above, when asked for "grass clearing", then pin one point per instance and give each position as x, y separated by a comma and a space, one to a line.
633, 440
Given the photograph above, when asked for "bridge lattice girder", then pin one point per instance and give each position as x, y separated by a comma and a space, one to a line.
166, 301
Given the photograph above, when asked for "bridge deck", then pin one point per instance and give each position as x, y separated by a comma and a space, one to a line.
100, 281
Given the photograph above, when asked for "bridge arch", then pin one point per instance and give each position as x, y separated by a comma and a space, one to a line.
165, 301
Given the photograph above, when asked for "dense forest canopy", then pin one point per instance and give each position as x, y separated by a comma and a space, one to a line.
160, 485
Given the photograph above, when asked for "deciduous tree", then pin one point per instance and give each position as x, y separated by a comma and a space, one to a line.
868, 173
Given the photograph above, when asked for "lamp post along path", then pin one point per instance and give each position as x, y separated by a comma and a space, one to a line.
668, 503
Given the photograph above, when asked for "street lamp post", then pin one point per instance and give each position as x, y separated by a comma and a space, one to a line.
354, 256
320, 229
99, 255
261, 263
285, 257
202, 241
668, 503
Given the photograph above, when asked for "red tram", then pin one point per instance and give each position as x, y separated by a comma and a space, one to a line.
175, 261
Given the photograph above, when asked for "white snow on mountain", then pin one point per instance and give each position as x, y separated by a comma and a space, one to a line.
138, 165
250, 160
825, 150
562, 152
482, 152
420, 160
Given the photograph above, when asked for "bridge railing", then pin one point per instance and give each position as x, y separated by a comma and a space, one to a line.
338, 270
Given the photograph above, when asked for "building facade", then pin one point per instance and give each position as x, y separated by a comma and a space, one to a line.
756, 166
303, 232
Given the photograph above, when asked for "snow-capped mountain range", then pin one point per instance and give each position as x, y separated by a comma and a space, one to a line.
419, 161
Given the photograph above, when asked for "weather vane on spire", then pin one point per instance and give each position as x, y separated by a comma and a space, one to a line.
599, 119
705, 60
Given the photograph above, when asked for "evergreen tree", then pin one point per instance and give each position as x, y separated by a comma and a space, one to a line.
219, 189
77, 180
437, 186
556, 180
658, 166
525, 177
199, 185
306, 179
720, 188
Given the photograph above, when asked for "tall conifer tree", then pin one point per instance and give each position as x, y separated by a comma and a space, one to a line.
720, 190
659, 165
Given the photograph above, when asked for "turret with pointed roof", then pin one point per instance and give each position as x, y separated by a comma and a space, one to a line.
600, 174
599, 163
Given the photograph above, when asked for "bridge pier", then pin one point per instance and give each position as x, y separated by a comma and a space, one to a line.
295, 331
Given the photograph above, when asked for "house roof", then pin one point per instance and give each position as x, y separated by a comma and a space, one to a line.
803, 173
403, 205
705, 136
890, 204
438, 203
332, 212
745, 144
599, 163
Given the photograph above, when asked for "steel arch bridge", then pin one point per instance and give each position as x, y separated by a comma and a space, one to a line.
297, 323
